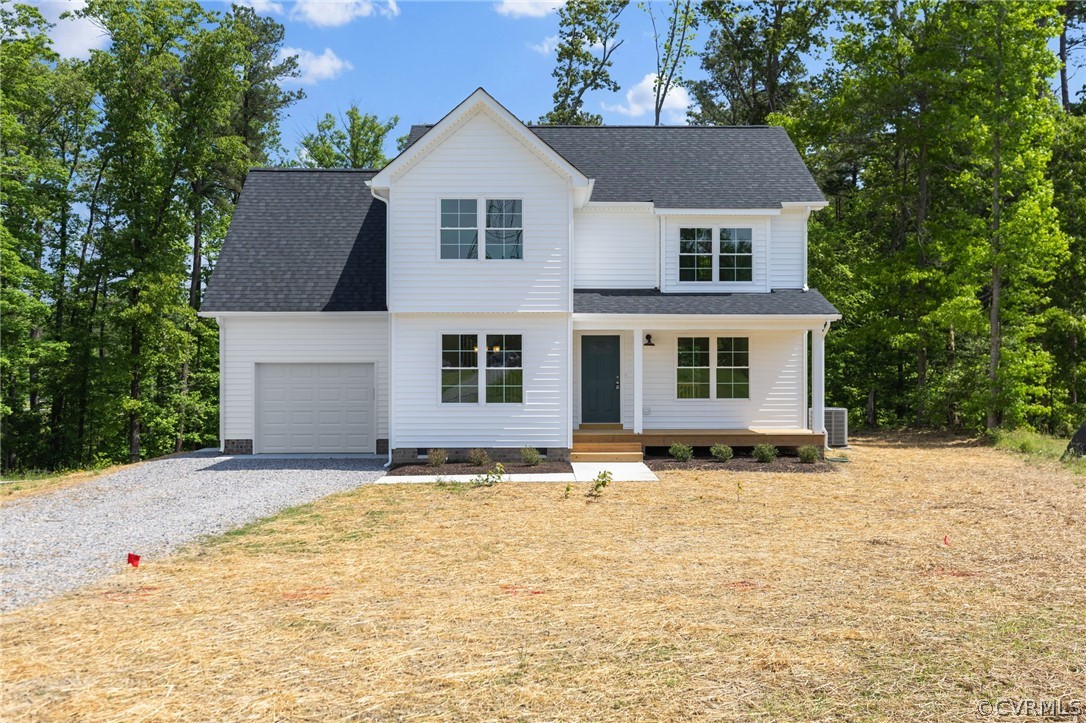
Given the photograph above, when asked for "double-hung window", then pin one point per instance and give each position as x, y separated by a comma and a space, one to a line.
716, 254
461, 360
693, 365
500, 225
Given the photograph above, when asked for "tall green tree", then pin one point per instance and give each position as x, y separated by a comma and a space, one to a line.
356, 140
754, 58
673, 38
587, 40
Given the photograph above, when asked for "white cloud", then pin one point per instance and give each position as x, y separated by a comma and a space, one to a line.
546, 46
263, 7
641, 100
528, 8
333, 13
72, 37
315, 68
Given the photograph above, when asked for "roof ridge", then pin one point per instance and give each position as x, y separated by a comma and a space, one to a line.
628, 125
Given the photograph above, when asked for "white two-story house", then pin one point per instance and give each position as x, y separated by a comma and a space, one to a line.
499, 285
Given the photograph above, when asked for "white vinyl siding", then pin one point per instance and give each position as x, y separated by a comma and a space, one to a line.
759, 226
615, 249
789, 237
423, 421
479, 159
282, 339
776, 385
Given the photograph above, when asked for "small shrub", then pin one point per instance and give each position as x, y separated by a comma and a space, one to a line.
478, 458
437, 457
764, 453
681, 452
721, 452
491, 478
602, 480
530, 456
808, 454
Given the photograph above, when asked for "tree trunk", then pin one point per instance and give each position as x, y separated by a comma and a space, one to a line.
197, 242
872, 421
995, 332
921, 384
1065, 94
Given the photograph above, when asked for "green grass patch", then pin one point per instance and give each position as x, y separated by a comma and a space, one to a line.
1037, 447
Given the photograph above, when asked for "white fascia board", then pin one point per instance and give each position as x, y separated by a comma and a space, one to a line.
717, 212
479, 101
648, 322
810, 205
290, 314
619, 206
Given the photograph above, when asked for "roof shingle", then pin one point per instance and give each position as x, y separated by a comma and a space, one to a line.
783, 302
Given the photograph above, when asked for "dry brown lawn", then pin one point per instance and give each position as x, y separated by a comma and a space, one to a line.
808, 597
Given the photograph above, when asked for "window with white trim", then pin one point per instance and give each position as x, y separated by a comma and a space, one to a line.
692, 368
504, 229
695, 254
716, 253
459, 228
732, 367
736, 255
459, 368
504, 373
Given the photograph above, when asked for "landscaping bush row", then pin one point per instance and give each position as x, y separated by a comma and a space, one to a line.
764, 453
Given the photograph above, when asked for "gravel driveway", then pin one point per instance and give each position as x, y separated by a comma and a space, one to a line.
56, 541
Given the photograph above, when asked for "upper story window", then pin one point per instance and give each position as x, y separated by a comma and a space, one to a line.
736, 255
504, 229
501, 226
459, 228
727, 255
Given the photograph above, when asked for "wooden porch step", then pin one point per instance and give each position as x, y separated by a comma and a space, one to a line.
606, 457
601, 425
595, 446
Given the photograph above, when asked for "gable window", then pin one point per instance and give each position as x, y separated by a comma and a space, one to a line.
504, 229
459, 368
504, 374
693, 368
732, 367
459, 228
736, 255
695, 254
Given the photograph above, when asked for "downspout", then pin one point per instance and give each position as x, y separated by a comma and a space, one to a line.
391, 317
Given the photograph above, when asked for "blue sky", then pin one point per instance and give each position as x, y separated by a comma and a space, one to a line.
417, 60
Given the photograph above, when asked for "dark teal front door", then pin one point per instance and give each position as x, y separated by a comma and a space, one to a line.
599, 379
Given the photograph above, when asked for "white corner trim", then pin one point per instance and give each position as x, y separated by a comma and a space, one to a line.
809, 205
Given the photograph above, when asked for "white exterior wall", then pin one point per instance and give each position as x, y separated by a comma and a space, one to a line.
615, 249
777, 398
788, 236
422, 420
285, 338
760, 235
626, 375
479, 159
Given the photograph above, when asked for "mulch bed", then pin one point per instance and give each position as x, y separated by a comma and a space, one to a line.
738, 464
451, 468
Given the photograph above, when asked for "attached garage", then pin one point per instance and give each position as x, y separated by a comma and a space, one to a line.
316, 408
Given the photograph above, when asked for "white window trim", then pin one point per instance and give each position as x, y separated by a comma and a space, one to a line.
480, 359
715, 282
712, 368
480, 223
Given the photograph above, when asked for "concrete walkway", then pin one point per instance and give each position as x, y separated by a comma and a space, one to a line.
582, 472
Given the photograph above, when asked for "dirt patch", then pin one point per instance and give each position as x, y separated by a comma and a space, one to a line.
450, 468
785, 465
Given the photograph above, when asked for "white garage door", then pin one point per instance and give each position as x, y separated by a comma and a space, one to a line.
324, 408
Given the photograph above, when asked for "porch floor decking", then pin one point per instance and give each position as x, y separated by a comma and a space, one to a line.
593, 438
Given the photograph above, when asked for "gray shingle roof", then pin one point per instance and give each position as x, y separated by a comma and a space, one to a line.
789, 302
302, 240
683, 166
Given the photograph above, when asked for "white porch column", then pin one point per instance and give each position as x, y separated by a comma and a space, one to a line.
638, 381
818, 380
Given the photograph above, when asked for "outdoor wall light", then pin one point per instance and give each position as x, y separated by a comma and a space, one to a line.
648, 340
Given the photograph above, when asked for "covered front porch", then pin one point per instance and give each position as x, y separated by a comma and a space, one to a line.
643, 380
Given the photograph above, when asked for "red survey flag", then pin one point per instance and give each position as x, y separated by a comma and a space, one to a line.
946, 541
133, 559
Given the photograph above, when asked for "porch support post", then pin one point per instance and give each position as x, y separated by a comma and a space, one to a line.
638, 381
818, 380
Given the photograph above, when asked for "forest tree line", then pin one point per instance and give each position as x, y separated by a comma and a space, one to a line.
944, 135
